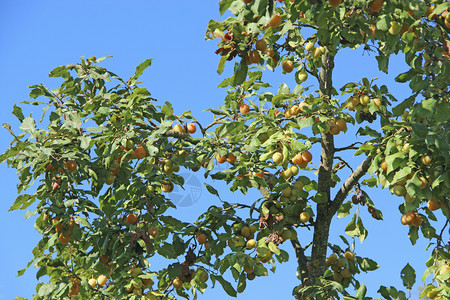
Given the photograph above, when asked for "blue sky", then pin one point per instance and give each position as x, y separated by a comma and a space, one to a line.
36, 36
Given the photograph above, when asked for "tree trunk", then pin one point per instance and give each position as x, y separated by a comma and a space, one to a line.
324, 216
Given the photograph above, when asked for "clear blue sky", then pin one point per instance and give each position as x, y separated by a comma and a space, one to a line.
36, 36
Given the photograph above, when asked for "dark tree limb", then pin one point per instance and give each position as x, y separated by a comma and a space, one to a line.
349, 184
301, 259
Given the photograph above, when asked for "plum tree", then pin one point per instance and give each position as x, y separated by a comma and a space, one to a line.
107, 158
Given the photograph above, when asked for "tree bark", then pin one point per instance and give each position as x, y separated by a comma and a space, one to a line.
323, 218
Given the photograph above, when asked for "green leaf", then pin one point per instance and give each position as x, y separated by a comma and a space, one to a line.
212, 190
356, 228
413, 234
167, 251
320, 198
399, 109
274, 248
361, 292
17, 111
22, 202
141, 68
228, 288
383, 62
167, 109
221, 65
408, 276
28, 125
224, 5
85, 142
240, 73
367, 264
344, 210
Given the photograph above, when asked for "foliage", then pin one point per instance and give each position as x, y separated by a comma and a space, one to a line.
110, 154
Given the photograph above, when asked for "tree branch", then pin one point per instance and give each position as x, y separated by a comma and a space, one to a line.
349, 183
350, 147
301, 259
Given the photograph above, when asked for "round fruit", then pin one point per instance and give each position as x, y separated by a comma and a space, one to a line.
129, 144
244, 108
254, 56
404, 220
153, 231
297, 159
251, 276
294, 110
316, 52
298, 185
261, 45
177, 283
251, 243
104, 259
248, 269
399, 190
70, 165
410, 217
132, 218
349, 255
294, 170
221, 159
309, 46
203, 276
63, 239
231, 158
376, 5
201, 238
433, 204
304, 217
306, 156
335, 3
178, 128
302, 76
110, 179
286, 234
346, 273
277, 157
245, 231
288, 66
253, 229
426, 160
101, 280
275, 21
140, 152
248, 1
364, 100
92, 282
286, 192
377, 102
340, 262
424, 182
417, 221
342, 124
167, 187
286, 174
333, 258
192, 128
334, 129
